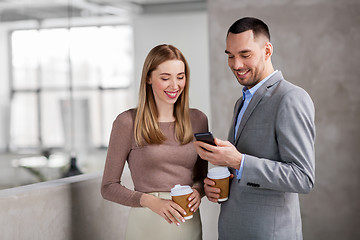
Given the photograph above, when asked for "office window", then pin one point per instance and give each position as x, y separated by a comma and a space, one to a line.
68, 85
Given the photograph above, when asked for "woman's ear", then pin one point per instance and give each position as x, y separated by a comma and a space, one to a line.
148, 80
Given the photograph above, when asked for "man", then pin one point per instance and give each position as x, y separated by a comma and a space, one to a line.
270, 147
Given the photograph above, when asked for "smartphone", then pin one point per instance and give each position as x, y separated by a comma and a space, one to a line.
206, 137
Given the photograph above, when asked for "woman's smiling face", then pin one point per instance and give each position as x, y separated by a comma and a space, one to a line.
168, 81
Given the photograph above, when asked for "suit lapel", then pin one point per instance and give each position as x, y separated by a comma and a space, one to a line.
259, 94
238, 105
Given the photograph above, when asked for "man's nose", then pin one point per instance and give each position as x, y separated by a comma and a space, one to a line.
238, 63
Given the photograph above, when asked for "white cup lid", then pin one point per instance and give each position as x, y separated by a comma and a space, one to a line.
179, 190
218, 173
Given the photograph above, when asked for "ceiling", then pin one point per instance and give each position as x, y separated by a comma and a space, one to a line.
18, 10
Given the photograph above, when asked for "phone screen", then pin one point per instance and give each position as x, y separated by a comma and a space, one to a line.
206, 137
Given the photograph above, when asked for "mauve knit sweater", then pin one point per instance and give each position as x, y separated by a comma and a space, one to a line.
153, 167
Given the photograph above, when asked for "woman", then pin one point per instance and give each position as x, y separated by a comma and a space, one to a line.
156, 140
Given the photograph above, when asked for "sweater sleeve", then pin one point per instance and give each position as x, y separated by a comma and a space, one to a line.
201, 166
119, 148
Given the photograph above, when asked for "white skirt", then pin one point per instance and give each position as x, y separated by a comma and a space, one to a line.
145, 224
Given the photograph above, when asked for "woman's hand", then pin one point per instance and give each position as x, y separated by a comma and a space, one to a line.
167, 209
194, 200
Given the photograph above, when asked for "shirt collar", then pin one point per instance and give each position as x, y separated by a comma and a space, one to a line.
252, 90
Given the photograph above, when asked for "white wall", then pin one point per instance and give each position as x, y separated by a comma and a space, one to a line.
189, 33
4, 90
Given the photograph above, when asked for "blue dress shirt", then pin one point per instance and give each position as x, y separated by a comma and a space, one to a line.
247, 96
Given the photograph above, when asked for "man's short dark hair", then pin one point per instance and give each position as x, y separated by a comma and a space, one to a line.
250, 23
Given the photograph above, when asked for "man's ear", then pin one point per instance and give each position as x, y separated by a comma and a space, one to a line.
268, 50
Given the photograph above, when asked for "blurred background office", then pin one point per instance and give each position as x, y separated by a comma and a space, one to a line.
68, 67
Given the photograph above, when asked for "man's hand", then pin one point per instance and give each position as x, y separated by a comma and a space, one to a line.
224, 154
212, 193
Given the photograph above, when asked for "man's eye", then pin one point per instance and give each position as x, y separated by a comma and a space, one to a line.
246, 56
230, 56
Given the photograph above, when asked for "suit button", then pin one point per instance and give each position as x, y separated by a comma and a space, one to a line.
253, 184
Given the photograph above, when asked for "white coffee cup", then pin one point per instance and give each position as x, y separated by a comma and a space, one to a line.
221, 176
180, 195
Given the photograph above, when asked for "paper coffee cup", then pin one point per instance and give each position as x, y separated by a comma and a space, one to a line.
220, 175
180, 195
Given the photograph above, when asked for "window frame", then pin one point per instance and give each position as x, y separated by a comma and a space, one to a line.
101, 90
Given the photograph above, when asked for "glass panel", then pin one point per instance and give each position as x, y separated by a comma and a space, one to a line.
24, 120
87, 124
116, 56
25, 58
54, 57
102, 54
101, 57
113, 103
52, 119
96, 113
84, 48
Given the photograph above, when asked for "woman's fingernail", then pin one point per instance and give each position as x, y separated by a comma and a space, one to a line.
189, 205
184, 213
192, 209
183, 220
177, 224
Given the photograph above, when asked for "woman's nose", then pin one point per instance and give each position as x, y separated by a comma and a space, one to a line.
174, 82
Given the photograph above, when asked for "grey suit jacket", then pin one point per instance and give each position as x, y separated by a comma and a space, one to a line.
276, 134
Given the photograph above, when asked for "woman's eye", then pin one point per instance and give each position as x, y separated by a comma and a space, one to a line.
182, 77
164, 79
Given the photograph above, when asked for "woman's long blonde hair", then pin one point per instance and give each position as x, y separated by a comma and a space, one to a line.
146, 125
